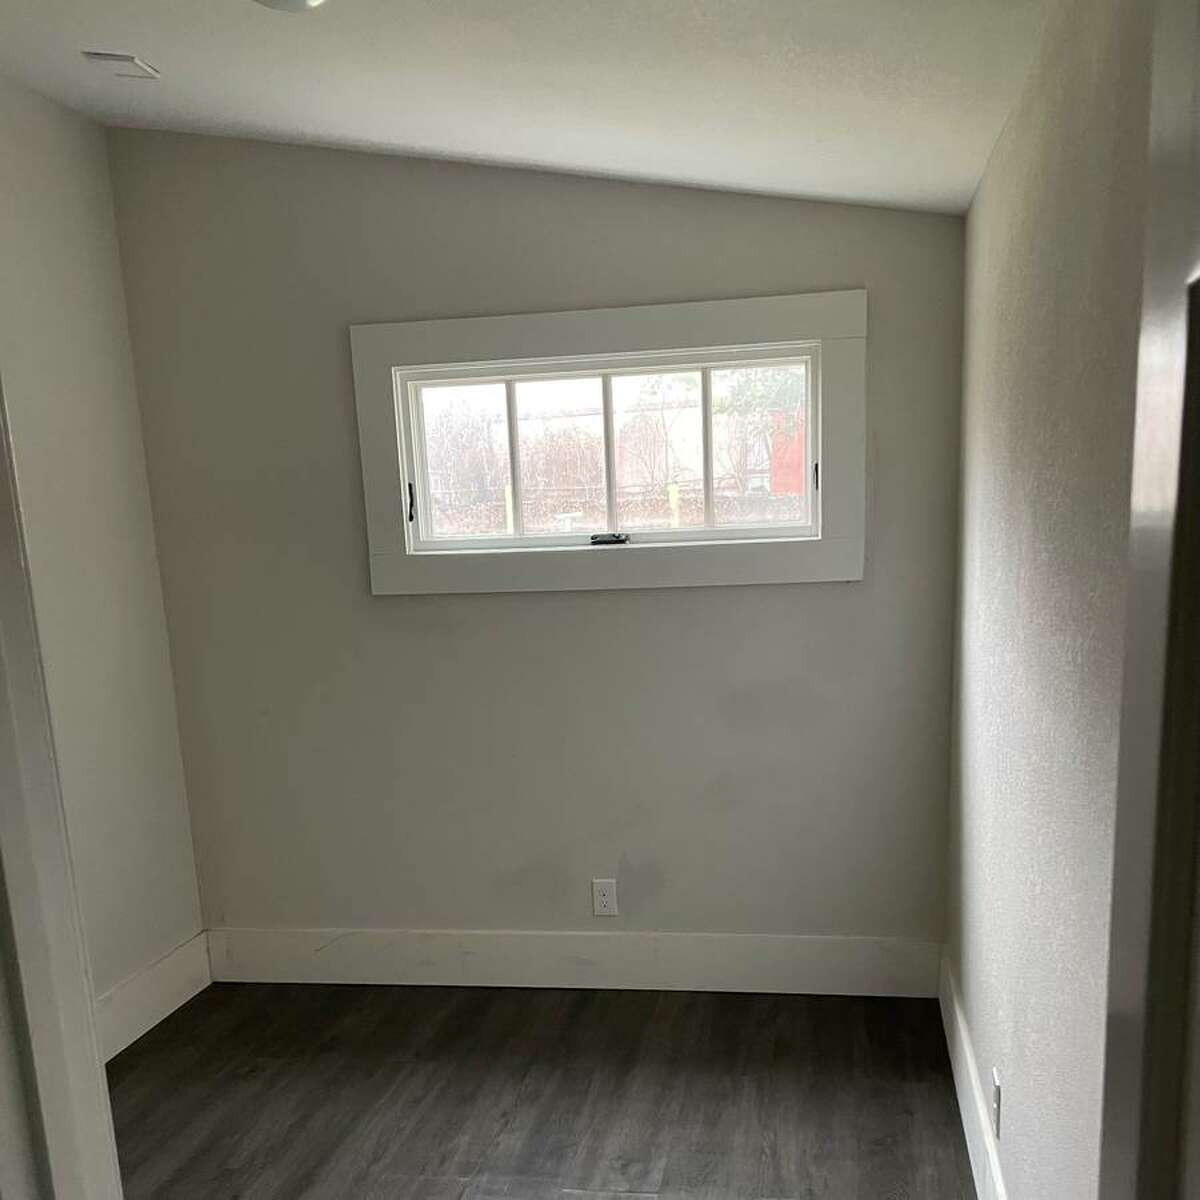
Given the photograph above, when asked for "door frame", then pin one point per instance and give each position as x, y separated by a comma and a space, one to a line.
1154, 847
67, 1102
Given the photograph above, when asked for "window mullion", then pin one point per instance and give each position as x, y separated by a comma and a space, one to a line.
706, 407
610, 455
514, 459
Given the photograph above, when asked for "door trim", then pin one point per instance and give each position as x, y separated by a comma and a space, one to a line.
69, 1088
1137, 1146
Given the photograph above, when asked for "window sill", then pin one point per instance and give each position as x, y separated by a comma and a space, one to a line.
651, 565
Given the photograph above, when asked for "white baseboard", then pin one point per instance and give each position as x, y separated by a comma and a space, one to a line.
973, 1102
717, 962
131, 1008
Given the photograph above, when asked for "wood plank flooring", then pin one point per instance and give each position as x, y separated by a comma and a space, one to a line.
271, 1092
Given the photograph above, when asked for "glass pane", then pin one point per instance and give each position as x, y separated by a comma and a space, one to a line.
659, 435
560, 425
466, 451
760, 459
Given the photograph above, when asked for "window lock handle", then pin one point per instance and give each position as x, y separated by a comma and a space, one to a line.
610, 539
412, 503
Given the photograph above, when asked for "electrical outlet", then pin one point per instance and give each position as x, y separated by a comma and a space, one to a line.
996, 1103
604, 897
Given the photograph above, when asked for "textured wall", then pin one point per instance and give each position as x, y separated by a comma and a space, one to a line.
1053, 289
770, 759
81, 476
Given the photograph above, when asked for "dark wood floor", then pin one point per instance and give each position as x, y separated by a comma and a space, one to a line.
365, 1093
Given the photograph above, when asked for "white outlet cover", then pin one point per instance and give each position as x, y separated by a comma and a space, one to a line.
604, 897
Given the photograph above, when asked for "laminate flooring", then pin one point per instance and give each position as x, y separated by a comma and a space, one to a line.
300, 1092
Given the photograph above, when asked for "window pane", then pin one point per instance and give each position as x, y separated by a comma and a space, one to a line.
466, 451
560, 425
760, 460
659, 435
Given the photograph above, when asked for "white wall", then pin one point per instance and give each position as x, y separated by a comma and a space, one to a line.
69, 389
1053, 289
768, 759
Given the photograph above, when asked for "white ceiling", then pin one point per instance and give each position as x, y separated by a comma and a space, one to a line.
883, 101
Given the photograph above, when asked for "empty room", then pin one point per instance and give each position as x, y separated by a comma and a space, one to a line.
598, 600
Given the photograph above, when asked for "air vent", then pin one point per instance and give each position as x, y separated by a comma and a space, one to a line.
129, 66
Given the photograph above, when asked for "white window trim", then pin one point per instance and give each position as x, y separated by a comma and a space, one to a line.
387, 358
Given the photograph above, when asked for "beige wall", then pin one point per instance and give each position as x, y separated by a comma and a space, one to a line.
769, 759
1053, 289
72, 408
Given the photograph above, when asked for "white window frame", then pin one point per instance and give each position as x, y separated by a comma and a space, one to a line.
829, 328
413, 469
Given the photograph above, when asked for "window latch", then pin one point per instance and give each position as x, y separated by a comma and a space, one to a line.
610, 539
816, 477
412, 503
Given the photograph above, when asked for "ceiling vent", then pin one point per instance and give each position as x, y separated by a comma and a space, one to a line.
129, 66
292, 6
